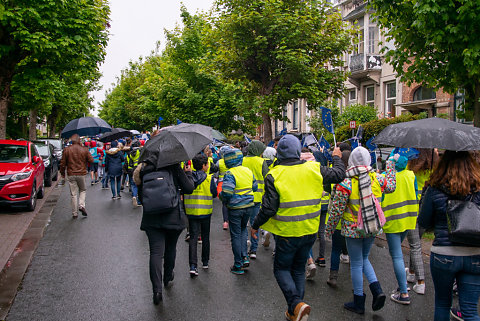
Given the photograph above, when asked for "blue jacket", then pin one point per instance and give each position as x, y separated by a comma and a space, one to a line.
113, 162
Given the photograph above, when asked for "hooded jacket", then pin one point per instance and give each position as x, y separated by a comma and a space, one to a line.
113, 162
256, 148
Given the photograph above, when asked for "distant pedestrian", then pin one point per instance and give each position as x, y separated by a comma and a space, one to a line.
105, 177
113, 166
75, 159
131, 162
97, 154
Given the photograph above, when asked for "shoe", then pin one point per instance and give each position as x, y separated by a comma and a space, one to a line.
114, 198
310, 271
205, 266
187, 237
419, 288
134, 201
320, 261
246, 261
237, 270
225, 225
357, 305
397, 297
119, 197
96, 181
92, 183
410, 276
344, 258
266, 240
301, 312
252, 254
157, 298
193, 271
199, 240
167, 282
332, 279
83, 210
288, 316
456, 314
248, 243
379, 297
74, 217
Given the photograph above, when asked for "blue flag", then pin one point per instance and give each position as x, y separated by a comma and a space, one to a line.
309, 140
159, 121
283, 132
373, 155
370, 145
271, 144
410, 153
248, 140
323, 143
327, 155
359, 133
354, 143
179, 121
327, 119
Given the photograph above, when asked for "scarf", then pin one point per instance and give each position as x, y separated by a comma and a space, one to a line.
368, 209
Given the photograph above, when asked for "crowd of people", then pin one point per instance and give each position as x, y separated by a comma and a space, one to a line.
294, 196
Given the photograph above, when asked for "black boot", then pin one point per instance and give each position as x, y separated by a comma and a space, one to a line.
358, 304
378, 296
157, 298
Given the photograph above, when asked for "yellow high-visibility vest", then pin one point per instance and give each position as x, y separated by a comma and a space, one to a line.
200, 202
300, 188
422, 177
255, 164
222, 169
243, 180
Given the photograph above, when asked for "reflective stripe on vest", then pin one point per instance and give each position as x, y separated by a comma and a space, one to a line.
401, 207
255, 164
243, 180
354, 199
134, 159
200, 202
300, 188
222, 169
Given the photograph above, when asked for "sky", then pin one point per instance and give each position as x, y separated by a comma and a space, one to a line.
136, 26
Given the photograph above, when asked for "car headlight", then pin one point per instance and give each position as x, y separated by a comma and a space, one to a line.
20, 176
46, 162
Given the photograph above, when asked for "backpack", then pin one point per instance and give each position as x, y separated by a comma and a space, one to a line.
159, 193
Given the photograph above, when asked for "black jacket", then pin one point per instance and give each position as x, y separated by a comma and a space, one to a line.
433, 213
113, 162
174, 220
271, 199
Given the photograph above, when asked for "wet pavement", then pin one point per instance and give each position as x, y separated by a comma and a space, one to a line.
96, 268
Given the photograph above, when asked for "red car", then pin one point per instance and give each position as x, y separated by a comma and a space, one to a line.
21, 173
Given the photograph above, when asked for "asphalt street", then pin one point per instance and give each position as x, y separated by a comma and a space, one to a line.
96, 268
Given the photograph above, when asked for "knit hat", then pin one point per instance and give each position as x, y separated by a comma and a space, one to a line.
114, 144
360, 157
255, 148
233, 157
289, 146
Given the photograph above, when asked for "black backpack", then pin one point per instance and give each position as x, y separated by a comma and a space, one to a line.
159, 193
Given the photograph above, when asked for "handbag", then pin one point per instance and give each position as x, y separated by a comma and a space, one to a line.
463, 218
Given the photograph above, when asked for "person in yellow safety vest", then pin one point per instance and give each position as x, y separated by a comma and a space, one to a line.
355, 193
199, 208
291, 210
131, 163
422, 167
401, 210
259, 167
212, 168
222, 169
238, 187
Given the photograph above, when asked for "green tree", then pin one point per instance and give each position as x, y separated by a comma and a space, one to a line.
360, 113
280, 50
435, 43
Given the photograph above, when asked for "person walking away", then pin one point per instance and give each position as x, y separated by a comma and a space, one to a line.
238, 187
270, 155
291, 210
199, 208
131, 163
75, 159
93, 168
113, 166
353, 196
259, 168
101, 162
163, 228
222, 169
456, 177
105, 177
401, 210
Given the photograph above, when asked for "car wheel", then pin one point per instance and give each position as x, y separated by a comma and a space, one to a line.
56, 175
33, 199
41, 192
48, 179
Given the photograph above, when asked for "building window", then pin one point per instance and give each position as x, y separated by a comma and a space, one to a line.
276, 127
352, 96
295, 114
424, 93
284, 114
372, 39
390, 99
370, 95
359, 44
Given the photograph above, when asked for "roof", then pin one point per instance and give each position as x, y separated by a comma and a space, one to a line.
356, 13
14, 142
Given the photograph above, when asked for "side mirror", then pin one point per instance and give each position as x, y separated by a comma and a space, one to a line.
36, 159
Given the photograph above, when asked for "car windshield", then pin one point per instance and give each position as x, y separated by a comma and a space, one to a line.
56, 143
42, 149
13, 154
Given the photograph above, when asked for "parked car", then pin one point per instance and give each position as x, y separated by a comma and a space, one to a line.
47, 152
21, 173
57, 145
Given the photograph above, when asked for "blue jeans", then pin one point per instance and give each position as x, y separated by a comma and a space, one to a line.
105, 178
394, 241
133, 186
238, 219
116, 184
253, 214
291, 254
359, 249
337, 245
466, 270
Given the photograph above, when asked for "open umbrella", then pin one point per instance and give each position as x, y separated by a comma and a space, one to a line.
431, 133
134, 132
176, 144
86, 126
115, 134
218, 135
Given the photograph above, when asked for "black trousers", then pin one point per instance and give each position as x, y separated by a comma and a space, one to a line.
199, 226
163, 249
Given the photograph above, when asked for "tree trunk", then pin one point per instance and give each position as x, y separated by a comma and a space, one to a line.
52, 122
267, 128
3, 116
32, 131
476, 105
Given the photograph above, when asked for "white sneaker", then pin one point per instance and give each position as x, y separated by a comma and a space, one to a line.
419, 288
344, 258
410, 276
310, 272
134, 201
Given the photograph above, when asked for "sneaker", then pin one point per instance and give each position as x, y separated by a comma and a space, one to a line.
288, 316
199, 240
205, 266
410, 276
187, 237
344, 258
167, 282
134, 201
310, 271
252, 254
320, 261
266, 241
193, 271
119, 197
419, 288
237, 270
246, 261
92, 183
74, 217
301, 312
225, 225
397, 297
456, 314
114, 198
83, 210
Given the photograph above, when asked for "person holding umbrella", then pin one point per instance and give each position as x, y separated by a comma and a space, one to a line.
113, 166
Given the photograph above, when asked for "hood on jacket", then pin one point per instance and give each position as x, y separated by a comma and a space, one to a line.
270, 153
114, 144
198, 177
360, 156
113, 151
233, 158
255, 148
93, 144
289, 147
401, 163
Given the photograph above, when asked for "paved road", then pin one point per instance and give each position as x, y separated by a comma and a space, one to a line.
97, 269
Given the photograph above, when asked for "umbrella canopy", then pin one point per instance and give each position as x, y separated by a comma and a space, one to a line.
115, 134
86, 126
431, 133
176, 144
134, 132
218, 135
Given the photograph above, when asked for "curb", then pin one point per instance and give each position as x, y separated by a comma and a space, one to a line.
12, 274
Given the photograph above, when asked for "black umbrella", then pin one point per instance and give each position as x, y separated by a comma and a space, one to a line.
431, 133
86, 126
115, 134
176, 144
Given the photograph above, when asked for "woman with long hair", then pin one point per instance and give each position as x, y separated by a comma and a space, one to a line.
457, 176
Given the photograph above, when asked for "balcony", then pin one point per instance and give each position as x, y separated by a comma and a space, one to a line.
363, 67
